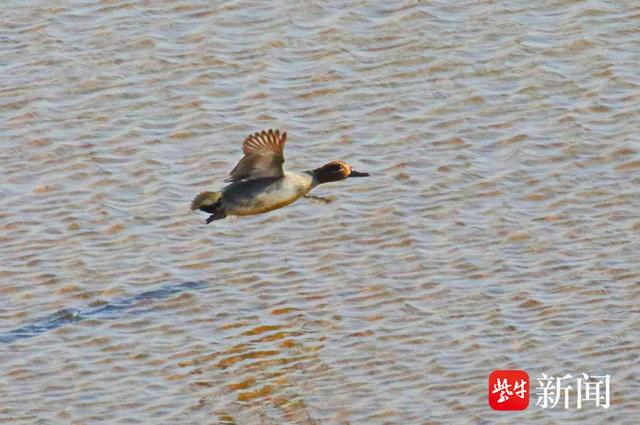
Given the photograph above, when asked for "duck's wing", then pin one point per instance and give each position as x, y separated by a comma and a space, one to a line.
263, 156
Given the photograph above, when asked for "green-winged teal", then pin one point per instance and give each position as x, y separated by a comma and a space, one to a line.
259, 182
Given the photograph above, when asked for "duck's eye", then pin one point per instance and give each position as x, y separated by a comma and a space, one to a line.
335, 167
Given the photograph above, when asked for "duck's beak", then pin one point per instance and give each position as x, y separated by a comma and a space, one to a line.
355, 173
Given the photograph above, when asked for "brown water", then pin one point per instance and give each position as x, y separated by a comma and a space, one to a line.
501, 229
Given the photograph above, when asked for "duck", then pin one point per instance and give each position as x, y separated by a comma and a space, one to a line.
259, 183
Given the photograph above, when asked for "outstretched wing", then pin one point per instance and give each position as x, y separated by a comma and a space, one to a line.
263, 156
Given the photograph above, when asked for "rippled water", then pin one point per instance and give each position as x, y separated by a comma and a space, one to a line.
501, 229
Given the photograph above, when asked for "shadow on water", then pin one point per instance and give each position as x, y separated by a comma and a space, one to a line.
110, 310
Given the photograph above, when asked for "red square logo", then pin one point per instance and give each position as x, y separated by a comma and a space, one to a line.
509, 390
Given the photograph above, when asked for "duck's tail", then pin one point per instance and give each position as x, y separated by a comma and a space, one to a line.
206, 201
209, 202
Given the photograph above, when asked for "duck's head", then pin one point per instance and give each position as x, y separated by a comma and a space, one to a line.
336, 170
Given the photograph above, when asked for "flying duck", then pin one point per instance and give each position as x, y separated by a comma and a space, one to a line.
260, 184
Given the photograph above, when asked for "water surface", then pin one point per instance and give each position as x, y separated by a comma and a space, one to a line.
501, 229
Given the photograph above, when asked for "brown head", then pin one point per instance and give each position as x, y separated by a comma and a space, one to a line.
334, 171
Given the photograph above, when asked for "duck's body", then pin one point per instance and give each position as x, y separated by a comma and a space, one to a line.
266, 194
260, 184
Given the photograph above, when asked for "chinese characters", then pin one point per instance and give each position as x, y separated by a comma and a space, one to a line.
509, 390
